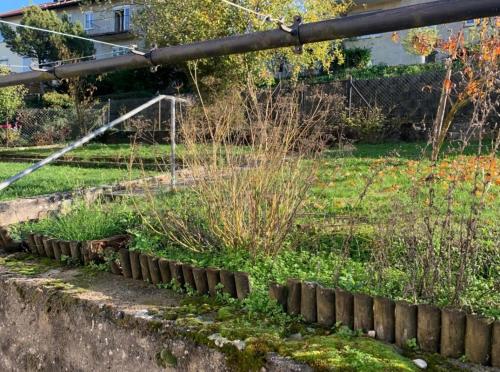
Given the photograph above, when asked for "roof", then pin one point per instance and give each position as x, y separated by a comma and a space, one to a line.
46, 6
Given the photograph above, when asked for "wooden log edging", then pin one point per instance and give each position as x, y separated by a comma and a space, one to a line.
450, 332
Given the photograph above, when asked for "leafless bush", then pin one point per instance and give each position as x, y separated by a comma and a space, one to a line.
249, 153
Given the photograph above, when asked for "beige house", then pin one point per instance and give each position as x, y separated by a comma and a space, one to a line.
383, 49
102, 21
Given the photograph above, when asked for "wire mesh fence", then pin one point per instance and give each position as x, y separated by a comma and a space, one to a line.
406, 99
48, 126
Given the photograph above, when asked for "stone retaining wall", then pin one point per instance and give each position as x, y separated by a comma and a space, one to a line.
64, 320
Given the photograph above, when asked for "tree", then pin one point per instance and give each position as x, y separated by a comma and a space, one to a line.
43, 46
11, 100
166, 23
46, 47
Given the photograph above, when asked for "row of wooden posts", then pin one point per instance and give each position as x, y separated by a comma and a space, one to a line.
447, 331
450, 332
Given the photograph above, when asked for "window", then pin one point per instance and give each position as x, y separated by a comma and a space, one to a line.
89, 20
26, 64
122, 19
470, 23
116, 51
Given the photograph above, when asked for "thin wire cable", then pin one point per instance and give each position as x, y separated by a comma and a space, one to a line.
67, 35
76, 58
265, 17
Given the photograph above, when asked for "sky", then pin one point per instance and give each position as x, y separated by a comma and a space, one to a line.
6, 5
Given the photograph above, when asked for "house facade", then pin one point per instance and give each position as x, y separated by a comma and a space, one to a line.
383, 49
102, 21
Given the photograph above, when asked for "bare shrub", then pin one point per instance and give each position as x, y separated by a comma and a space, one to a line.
249, 153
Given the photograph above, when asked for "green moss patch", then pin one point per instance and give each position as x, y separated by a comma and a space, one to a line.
26, 264
337, 352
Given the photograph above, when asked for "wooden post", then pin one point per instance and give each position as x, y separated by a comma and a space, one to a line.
213, 278
428, 328
478, 339
166, 275
154, 270
200, 280
143, 260
39, 244
125, 262
384, 319
135, 265
31, 243
56, 248
344, 308
227, 280
242, 282
452, 333
325, 303
74, 247
187, 273
279, 293
495, 345
47, 245
363, 312
176, 271
293, 301
406, 323
65, 249
308, 302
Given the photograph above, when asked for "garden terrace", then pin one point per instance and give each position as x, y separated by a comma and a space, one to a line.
312, 253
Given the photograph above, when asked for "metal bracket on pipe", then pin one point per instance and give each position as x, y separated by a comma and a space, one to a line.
34, 68
153, 68
295, 32
135, 51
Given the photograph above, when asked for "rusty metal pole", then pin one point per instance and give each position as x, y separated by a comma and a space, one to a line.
419, 15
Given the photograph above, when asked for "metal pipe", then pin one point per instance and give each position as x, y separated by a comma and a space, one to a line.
85, 139
419, 15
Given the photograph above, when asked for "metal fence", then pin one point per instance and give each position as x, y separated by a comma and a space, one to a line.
408, 98
47, 126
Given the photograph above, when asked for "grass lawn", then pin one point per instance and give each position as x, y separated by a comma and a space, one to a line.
95, 151
342, 178
52, 179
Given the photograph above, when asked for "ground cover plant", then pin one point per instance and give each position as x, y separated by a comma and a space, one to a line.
60, 178
85, 221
